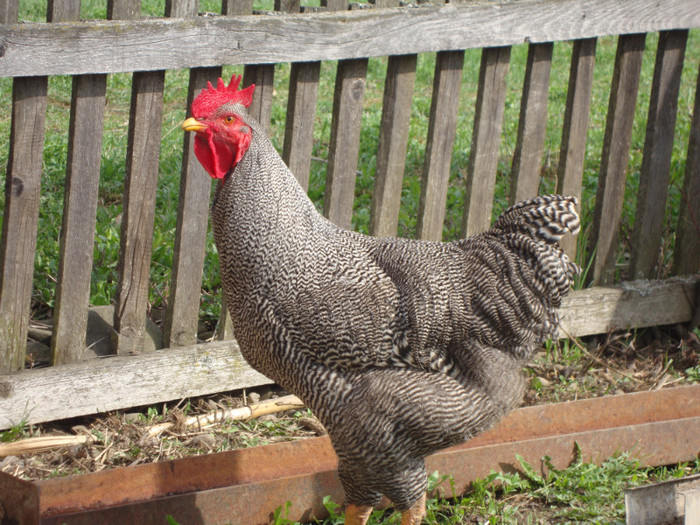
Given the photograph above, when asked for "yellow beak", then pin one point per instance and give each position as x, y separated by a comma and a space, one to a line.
192, 124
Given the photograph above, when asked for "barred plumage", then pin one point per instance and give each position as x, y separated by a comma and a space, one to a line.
400, 347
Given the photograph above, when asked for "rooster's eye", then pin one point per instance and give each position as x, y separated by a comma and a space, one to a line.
229, 119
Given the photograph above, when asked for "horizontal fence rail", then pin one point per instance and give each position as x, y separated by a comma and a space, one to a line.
78, 48
91, 50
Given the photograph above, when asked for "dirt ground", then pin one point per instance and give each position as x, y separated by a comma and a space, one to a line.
610, 365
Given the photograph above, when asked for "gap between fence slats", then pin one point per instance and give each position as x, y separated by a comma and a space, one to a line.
656, 160
686, 258
607, 216
573, 143
182, 314
140, 183
21, 213
486, 139
442, 129
527, 159
344, 146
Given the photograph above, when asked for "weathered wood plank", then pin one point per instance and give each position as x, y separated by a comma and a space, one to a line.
527, 159
610, 195
263, 76
63, 10
442, 129
123, 9
21, 211
146, 45
79, 217
140, 182
393, 143
634, 304
9, 11
80, 205
121, 382
181, 318
393, 140
182, 315
299, 126
686, 258
112, 383
181, 8
486, 139
344, 144
656, 160
573, 143
301, 108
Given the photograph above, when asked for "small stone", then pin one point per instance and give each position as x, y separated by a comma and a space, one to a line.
204, 440
132, 417
543, 381
253, 397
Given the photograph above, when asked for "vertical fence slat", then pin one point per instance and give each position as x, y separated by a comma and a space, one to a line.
573, 143
301, 112
393, 140
345, 141
393, 143
79, 218
610, 195
656, 161
21, 213
486, 139
686, 258
140, 181
236, 7
527, 159
63, 10
263, 76
442, 129
80, 205
182, 315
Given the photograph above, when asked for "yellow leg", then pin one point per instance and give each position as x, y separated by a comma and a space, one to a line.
357, 514
415, 514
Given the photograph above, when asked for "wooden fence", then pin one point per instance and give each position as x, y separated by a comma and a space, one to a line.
91, 50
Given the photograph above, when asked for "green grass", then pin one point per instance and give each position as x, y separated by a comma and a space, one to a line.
580, 493
115, 135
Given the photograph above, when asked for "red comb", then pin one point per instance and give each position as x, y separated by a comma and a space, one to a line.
210, 99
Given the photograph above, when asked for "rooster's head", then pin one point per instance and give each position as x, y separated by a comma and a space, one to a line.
222, 135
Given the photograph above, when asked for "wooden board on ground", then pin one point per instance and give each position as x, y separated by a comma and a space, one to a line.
114, 383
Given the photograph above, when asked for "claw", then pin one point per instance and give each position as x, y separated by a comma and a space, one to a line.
415, 514
357, 514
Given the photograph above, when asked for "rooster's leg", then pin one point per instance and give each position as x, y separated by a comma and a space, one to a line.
414, 514
357, 514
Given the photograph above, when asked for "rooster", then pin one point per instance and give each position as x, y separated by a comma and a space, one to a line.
400, 347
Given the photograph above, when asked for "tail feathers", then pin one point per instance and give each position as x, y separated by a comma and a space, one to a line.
534, 228
544, 219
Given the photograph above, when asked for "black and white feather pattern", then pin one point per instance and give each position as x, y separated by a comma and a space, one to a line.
400, 347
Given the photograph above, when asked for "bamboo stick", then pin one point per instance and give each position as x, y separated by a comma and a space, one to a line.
41, 444
254, 410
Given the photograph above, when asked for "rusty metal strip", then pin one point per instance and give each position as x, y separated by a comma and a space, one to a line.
304, 471
657, 443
